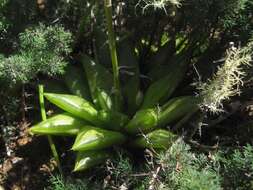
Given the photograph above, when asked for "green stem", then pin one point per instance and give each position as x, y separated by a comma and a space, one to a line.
44, 117
113, 51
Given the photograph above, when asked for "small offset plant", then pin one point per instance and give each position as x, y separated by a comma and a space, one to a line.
100, 113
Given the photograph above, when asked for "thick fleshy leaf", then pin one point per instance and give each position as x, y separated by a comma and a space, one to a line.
171, 53
75, 105
92, 138
54, 86
159, 72
143, 121
161, 90
88, 159
133, 94
76, 81
102, 47
160, 139
148, 119
63, 124
100, 82
176, 108
112, 120
130, 74
162, 55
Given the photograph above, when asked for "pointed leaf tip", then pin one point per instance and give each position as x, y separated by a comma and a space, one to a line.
88, 159
92, 138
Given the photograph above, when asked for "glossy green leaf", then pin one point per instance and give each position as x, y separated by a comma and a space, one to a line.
173, 62
76, 81
162, 89
112, 120
63, 124
102, 47
176, 108
159, 72
88, 159
54, 86
143, 121
92, 138
162, 55
75, 105
158, 139
133, 94
130, 74
128, 60
100, 82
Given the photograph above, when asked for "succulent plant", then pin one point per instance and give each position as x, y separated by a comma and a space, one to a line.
98, 126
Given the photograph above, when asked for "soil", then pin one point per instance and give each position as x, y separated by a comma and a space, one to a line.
29, 165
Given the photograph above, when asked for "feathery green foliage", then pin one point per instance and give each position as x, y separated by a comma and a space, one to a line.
3, 20
232, 10
187, 171
42, 50
58, 183
237, 168
16, 69
181, 169
48, 46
